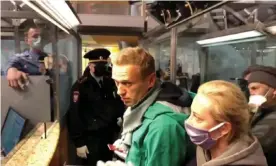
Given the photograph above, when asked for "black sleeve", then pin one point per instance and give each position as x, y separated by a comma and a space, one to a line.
114, 106
75, 125
265, 130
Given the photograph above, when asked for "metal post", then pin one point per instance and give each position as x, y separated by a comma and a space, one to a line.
79, 42
225, 19
173, 54
144, 14
17, 39
254, 54
56, 72
203, 60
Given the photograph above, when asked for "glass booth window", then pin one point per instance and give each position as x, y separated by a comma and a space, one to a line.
266, 53
230, 60
226, 61
67, 61
22, 49
187, 60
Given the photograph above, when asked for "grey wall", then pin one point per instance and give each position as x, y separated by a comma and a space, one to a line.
33, 103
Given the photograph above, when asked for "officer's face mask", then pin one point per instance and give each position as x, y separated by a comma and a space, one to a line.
202, 137
100, 69
258, 100
36, 43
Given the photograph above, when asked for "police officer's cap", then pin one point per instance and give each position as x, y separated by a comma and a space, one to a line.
97, 55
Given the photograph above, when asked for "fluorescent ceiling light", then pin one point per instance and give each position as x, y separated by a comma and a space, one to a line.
60, 10
273, 47
236, 41
43, 14
7, 33
237, 36
272, 29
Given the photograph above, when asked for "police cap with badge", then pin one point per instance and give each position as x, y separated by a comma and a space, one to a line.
98, 57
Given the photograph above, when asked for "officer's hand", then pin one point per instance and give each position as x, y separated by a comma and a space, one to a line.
16, 78
82, 151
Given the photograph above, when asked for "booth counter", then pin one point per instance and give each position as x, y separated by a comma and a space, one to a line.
35, 149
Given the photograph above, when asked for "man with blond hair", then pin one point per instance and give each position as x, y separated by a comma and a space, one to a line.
153, 128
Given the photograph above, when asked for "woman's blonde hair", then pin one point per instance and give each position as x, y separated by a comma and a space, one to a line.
230, 105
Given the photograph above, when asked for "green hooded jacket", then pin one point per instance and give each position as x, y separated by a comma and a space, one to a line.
161, 140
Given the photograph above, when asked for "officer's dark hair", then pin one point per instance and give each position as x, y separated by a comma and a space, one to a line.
135, 56
86, 72
30, 25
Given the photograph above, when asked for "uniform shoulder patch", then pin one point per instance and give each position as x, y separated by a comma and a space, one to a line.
76, 96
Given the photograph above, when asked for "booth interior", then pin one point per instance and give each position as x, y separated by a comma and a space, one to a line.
33, 114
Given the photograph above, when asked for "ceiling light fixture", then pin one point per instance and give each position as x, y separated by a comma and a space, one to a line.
43, 14
231, 37
57, 12
60, 10
235, 41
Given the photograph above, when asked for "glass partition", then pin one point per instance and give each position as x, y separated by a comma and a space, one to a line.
43, 52
219, 60
24, 55
266, 53
187, 59
223, 61
230, 60
68, 58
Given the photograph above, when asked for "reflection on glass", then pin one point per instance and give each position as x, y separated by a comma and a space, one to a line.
226, 61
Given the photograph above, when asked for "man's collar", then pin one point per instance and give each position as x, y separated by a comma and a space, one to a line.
156, 87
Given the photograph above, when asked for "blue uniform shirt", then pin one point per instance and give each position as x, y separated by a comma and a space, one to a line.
26, 62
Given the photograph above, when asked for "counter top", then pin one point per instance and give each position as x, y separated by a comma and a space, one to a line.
34, 150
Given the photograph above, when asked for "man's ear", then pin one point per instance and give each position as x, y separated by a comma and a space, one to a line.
91, 67
152, 79
274, 94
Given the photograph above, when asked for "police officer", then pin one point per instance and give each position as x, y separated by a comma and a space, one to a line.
26, 63
94, 110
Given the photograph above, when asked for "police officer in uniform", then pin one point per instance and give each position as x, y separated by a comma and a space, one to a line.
94, 110
26, 63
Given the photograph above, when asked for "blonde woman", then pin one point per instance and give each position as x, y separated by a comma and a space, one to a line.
219, 125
